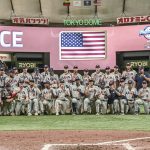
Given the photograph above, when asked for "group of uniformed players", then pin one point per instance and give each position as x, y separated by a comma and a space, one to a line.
109, 92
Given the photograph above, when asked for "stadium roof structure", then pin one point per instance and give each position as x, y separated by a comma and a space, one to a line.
56, 12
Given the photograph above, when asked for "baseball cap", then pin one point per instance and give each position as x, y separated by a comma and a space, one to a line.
128, 64
61, 81
46, 66
111, 83
122, 80
75, 67
144, 82
130, 82
14, 68
91, 80
66, 67
107, 67
31, 80
1, 69
97, 66
86, 70
116, 66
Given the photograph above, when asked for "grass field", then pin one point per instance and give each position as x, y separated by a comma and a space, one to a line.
80, 122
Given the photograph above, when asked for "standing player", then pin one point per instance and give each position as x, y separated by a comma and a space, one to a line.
129, 74
109, 77
66, 76
97, 76
86, 77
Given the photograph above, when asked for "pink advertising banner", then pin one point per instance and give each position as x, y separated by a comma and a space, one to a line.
35, 39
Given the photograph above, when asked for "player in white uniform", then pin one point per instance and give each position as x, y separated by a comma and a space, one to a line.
144, 98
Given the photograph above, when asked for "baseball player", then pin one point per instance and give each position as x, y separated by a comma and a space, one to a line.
37, 77
102, 98
61, 101
86, 77
97, 76
129, 74
52, 77
77, 94
109, 77
34, 93
131, 94
21, 98
2, 89
25, 75
117, 75
144, 98
47, 98
45, 73
122, 98
75, 74
90, 94
66, 76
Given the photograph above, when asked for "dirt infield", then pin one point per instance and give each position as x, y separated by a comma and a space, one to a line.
72, 140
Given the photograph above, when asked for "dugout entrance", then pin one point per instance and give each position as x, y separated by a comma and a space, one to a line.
26, 59
136, 58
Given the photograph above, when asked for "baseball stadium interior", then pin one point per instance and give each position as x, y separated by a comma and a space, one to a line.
75, 74
63, 44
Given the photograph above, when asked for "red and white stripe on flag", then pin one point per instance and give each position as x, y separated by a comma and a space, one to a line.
82, 45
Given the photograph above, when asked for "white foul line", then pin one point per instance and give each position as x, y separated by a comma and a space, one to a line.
49, 146
128, 146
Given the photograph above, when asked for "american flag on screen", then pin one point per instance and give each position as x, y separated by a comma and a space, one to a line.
82, 45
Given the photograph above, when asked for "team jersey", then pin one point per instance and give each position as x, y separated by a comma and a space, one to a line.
129, 75
91, 91
77, 91
144, 93
25, 76
34, 92
47, 94
97, 77
109, 77
86, 79
130, 94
